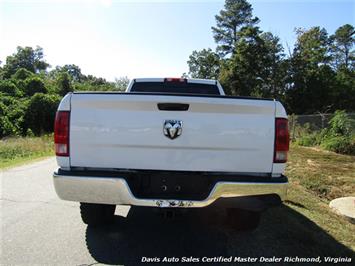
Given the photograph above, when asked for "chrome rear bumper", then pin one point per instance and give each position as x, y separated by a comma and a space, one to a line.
108, 190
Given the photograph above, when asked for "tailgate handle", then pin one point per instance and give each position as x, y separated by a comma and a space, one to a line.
173, 106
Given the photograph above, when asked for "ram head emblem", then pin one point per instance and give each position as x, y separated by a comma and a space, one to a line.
172, 128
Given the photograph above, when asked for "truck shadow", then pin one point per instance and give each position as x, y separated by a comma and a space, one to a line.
205, 232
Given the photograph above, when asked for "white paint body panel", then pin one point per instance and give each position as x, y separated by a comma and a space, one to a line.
64, 104
63, 162
126, 131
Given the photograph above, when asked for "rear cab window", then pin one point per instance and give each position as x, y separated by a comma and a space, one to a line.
175, 87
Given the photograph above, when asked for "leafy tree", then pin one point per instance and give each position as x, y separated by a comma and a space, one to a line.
342, 46
236, 15
72, 70
311, 79
12, 112
273, 75
25, 57
344, 95
204, 64
121, 83
15, 114
92, 83
41, 113
22, 74
240, 74
312, 47
344, 61
312, 91
94, 80
64, 84
34, 85
87, 86
256, 67
6, 127
8, 87
29, 95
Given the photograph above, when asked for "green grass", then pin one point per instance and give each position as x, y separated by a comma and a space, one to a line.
326, 174
15, 151
316, 177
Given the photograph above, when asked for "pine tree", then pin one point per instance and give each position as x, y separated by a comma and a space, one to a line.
236, 15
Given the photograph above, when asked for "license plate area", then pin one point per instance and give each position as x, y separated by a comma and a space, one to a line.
169, 185
173, 203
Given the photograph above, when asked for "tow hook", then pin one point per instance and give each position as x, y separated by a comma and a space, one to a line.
169, 214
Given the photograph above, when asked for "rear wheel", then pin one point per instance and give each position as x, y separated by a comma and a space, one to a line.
241, 219
97, 214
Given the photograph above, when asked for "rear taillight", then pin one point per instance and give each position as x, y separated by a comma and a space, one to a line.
61, 133
281, 140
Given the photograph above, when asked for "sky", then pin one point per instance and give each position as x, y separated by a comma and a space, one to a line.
113, 38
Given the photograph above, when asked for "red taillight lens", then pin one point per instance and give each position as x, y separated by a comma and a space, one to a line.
282, 139
61, 133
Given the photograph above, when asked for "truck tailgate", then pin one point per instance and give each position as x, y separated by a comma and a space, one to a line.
126, 131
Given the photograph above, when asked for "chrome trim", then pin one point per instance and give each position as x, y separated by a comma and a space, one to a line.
116, 191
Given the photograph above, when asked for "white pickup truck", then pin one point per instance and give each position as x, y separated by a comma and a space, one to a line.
171, 143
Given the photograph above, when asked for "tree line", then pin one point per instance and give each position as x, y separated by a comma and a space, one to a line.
317, 75
29, 94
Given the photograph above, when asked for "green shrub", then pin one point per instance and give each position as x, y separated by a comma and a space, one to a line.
308, 140
339, 144
321, 135
341, 124
29, 133
299, 131
338, 137
6, 127
306, 137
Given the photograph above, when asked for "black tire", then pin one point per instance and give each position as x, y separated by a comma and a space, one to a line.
243, 220
97, 214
